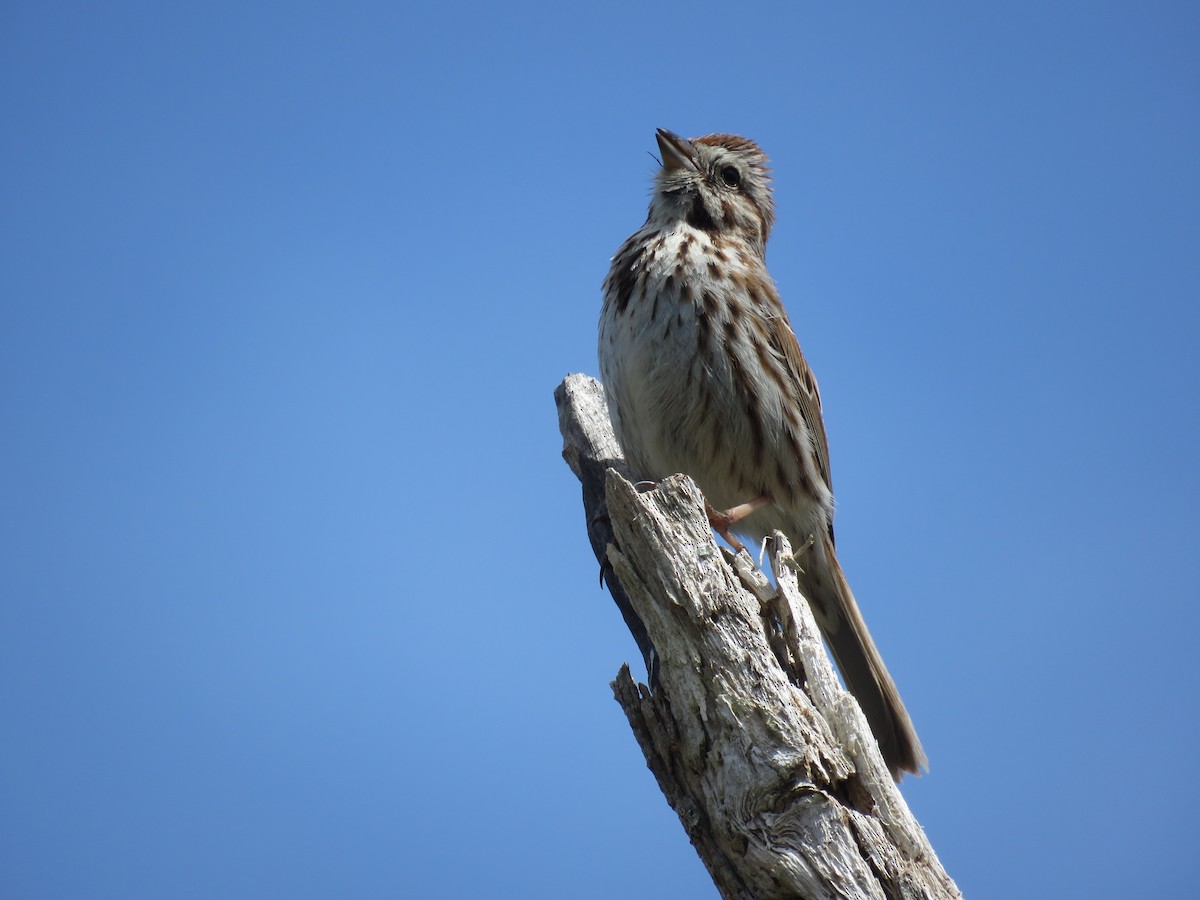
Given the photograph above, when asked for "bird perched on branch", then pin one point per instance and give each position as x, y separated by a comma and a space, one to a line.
704, 376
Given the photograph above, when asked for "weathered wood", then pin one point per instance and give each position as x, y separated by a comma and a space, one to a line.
766, 759
590, 448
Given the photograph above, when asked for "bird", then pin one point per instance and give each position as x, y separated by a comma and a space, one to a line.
704, 376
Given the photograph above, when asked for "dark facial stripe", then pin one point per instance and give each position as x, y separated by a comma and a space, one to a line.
699, 217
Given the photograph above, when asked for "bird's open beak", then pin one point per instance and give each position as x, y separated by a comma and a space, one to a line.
677, 153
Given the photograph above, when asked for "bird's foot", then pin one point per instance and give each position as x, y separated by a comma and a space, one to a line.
723, 521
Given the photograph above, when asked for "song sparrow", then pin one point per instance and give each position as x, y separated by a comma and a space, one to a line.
704, 376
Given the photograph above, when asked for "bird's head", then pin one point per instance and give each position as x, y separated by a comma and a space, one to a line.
718, 183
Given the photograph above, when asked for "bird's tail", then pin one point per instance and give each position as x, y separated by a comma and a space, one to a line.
842, 625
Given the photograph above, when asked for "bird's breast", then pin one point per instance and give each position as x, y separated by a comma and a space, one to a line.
693, 383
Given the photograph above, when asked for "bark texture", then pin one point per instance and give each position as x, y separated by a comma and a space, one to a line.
766, 759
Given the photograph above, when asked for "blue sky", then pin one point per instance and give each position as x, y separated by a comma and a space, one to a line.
295, 595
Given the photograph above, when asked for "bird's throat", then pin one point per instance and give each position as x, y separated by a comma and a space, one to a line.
699, 218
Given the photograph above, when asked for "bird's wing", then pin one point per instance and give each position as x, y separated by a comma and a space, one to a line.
783, 341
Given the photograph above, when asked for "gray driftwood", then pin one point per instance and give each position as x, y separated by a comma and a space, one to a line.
767, 760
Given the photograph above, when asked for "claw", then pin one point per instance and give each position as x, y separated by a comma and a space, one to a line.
723, 521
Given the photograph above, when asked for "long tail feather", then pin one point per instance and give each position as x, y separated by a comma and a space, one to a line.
860, 663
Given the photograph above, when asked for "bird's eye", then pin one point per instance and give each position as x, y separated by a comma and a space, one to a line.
731, 176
